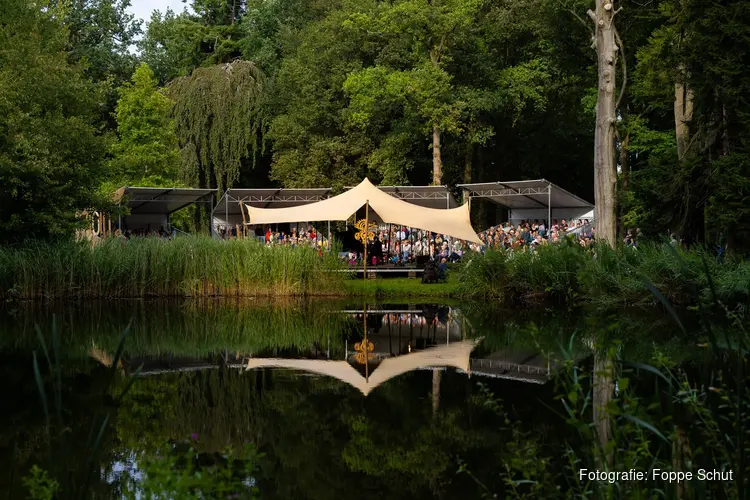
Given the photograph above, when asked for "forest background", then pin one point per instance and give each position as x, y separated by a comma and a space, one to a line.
310, 93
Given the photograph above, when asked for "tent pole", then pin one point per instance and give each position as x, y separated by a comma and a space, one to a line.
390, 244
211, 222
367, 230
226, 212
447, 206
549, 207
244, 222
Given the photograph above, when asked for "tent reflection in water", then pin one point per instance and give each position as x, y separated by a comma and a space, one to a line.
453, 222
454, 355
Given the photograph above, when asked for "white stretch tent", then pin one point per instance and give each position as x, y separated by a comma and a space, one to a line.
455, 355
454, 222
533, 199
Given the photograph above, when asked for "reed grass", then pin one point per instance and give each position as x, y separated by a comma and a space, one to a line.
151, 267
605, 278
202, 267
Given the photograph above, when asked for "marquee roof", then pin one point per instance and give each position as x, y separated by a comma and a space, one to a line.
453, 222
526, 194
150, 200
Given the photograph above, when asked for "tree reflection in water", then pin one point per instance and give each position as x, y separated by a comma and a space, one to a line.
319, 438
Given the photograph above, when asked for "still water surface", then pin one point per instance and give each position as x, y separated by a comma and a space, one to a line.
334, 415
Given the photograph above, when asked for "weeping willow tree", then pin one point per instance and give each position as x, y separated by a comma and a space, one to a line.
219, 122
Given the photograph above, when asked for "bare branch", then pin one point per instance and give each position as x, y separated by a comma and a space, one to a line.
616, 12
576, 15
624, 67
591, 15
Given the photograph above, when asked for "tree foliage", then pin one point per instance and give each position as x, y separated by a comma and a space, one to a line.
219, 121
146, 153
51, 152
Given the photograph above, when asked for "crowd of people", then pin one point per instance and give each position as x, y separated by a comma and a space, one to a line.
308, 236
406, 246
527, 234
403, 245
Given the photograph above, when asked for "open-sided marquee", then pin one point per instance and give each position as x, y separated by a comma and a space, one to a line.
531, 199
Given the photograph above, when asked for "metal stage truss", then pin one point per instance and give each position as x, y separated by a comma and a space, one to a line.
531, 199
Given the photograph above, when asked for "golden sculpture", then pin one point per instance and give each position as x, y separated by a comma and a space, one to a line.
364, 351
362, 234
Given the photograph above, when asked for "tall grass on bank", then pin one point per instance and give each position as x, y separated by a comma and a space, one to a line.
144, 267
604, 277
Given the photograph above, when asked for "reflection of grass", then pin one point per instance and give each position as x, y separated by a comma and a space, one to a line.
403, 287
195, 329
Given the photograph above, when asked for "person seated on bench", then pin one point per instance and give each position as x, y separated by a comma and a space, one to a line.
443, 270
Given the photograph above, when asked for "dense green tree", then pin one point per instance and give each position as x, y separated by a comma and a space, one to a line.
310, 146
167, 46
101, 33
691, 176
355, 99
219, 113
51, 153
211, 32
415, 39
146, 153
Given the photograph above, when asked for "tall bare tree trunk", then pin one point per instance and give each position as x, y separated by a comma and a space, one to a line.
436, 53
683, 114
437, 161
605, 169
468, 160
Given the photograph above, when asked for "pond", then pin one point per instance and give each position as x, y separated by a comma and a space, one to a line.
339, 398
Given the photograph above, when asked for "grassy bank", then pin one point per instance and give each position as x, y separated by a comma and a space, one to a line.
152, 267
568, 274
194, 266
563, 274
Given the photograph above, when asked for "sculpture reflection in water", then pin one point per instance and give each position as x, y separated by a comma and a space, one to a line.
380, 333
456, 355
